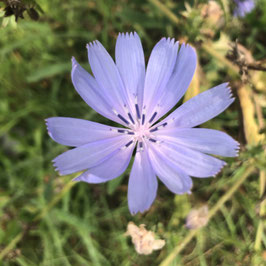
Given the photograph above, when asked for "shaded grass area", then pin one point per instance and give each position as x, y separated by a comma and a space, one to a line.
49, 220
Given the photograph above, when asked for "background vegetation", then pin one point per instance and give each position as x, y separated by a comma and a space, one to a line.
49, 220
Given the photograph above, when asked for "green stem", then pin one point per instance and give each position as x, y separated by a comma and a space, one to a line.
241, 176
259, 234
11, 245
260, 229
165, 10
58, 197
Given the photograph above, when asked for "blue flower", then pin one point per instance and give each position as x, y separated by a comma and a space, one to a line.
137, 98
243, 7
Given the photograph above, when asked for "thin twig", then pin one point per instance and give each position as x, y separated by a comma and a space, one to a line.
256, 66
260, 229
165, 10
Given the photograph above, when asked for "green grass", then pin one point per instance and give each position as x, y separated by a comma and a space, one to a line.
49, 220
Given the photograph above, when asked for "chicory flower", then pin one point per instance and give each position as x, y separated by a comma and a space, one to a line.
135, 97
243, 7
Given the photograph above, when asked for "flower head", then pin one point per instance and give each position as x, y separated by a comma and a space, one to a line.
243, 7
137, 98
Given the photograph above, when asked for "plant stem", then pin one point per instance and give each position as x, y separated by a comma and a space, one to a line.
241, 177
60, 195
165, 10
11, 245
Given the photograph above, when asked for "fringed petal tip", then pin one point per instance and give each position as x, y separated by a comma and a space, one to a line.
74, 62
237, 149
127, 35
135, 212
191, 54
56, 168
141, 211
185, 45
50, 134
74, 68
54, 163
229, 91
47, 123
93, 44
170, 41
222, 166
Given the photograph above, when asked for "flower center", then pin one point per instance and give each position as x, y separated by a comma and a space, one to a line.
141, 132
139, 126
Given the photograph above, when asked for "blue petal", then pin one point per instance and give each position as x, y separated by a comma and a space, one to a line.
109, 169
204, 140
89, 155
182, 75
142, 186
171, 175
90, 92
159, 70
131, 65
77, 132
108, 77
201, 108
191, 162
